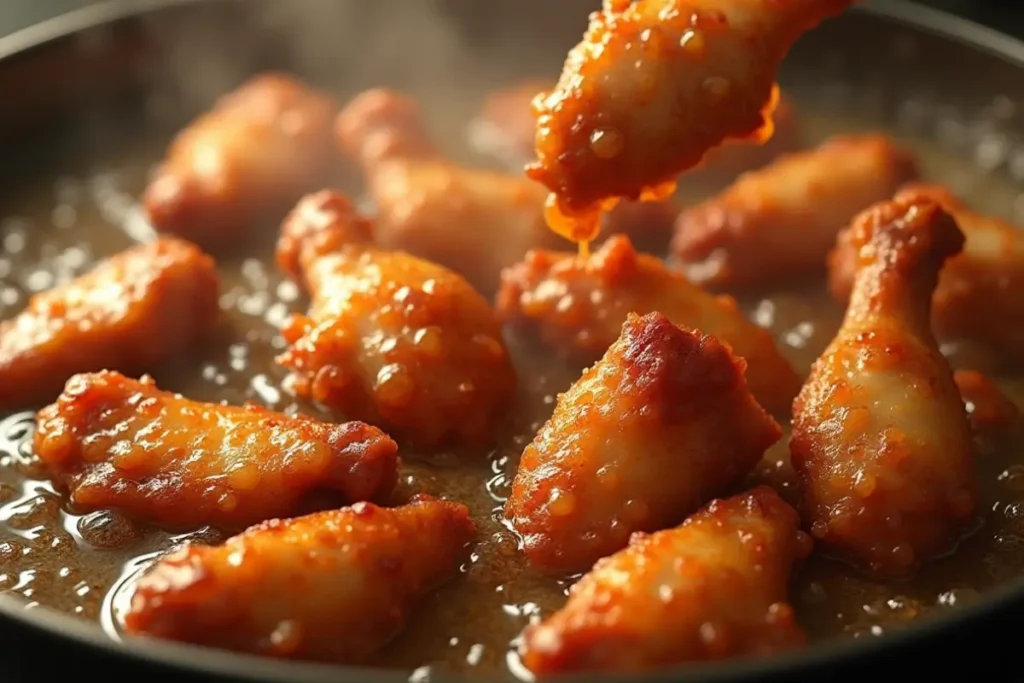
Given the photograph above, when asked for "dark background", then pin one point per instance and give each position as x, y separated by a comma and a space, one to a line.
1006, 15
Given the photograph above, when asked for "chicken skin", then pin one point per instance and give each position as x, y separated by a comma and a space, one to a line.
390, 338
578, 306
116, 442
505, 129
979, 293
652, 87
333, 586
881, 444
255, 152
989, 409
780, 222
659, 426
712, 588
130, 312
474, 221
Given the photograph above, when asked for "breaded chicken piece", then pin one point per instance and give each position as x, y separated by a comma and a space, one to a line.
989, 409
255, 152
474, 221
979, 294
130, 312
121, 443
578, 306
505, 129
333, 586
652, 87
779, 223
390, 338
713, 588
881, 443
381, 124
660, 425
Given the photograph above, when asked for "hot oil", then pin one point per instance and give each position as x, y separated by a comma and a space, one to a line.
85, 565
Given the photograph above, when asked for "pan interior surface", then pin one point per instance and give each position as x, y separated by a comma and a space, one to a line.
78, 164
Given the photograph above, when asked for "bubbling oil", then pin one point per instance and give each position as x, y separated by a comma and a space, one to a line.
85, 565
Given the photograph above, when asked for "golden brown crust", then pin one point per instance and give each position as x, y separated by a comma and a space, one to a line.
505, 128
578, 307
978, 296
713, 588
255, 152
333, 586
391, 338
473, 221
725, 163
662, 400
881, 442
130, 312
120, 443
779, 222
321, 223
654, 85
380, 124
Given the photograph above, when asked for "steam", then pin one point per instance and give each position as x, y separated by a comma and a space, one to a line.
426, 48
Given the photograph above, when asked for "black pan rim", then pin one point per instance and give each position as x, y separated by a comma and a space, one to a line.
995, 606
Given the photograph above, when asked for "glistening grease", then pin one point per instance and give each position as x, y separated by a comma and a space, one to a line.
64, 220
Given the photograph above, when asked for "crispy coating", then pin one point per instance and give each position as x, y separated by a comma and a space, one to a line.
130, 312
332, 586
505, 129
256, 151
881, 443
652, 87
578, 306
989, 409
734, 157
121, 443
713, 588
474, 221
780, 222
979, 293
660, 425
390, 338
380, 124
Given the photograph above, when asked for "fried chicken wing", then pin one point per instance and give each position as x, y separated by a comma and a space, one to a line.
390, 338
130, 312
505, 129
652, 87
332, 586
578, 306
713, 588
989, 409
780, 222
660, 425
979, 293
881, 443
381, 124
255, 152
475, 221
116, 442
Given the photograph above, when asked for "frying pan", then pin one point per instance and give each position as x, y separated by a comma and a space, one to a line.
82, 82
